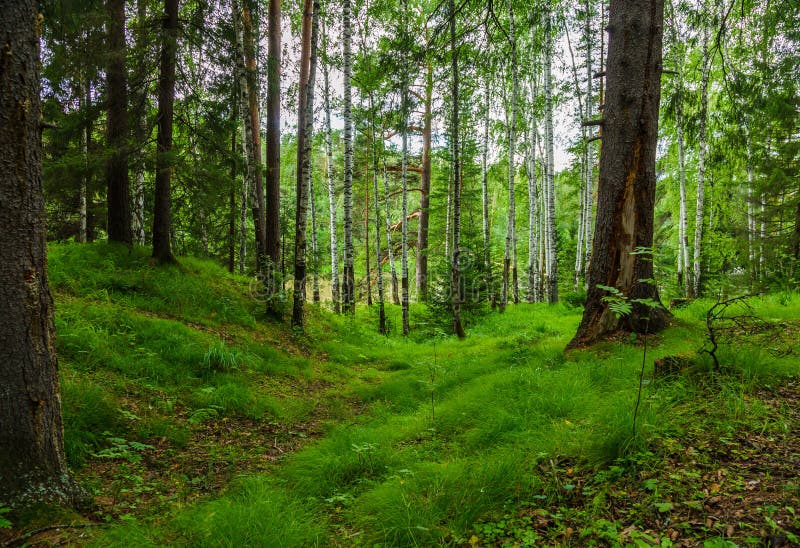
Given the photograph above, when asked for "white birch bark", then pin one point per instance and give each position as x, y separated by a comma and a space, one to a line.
550, 210
334, 244
701, 168
534, 282
348, 297
487, 259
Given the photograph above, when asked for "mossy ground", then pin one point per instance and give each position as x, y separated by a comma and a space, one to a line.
194, 419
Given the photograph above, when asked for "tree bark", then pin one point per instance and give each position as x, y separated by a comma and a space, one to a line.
389, 245
626, 199
534, 280
425, 184
305, 122
379, 268
550, 198
140, 128
119, 211
331, 182
33, 467
487, 250
162, 213
455, 275
348, 293
272, 235
701, 169
257, 189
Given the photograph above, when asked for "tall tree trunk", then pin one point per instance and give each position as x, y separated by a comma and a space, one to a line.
626, 199
248, 173
335, 298
140, 123
309, 142
588, 224
487, 251
684, 275
272, 217
455, 274
425, 184
404, 176
33, 467
85, 99
251, 80
550, 209
119, 209
348, 297
389, 244
582, 215
511, 229
701, 168
381, 309
305, 121
367, 266
232, 195
162, 213
534, 281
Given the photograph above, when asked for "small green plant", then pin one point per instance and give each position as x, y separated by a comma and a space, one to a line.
4, 523
203, 414
220, 359
622, 306
122, 449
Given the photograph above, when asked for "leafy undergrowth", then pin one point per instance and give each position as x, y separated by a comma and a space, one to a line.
207, 427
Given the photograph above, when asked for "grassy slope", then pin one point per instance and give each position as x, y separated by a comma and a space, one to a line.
425, 442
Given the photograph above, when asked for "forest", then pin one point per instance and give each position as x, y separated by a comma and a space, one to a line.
400, 273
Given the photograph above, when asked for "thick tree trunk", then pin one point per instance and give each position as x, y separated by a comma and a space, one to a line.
33, 468
335, 298
272, 235
305, 117
348, 296
119, 209
425, 184
455, 274
626, 199
162, 213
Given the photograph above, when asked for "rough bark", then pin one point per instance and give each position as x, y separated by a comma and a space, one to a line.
304, 125
510, 262
455, 275
250, 32
348, 289
162, 212
33, 468
626, 198
272, 230
117, 179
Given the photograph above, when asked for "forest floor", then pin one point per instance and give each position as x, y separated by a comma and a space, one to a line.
194, 420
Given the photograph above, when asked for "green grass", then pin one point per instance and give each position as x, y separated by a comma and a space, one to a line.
449, 433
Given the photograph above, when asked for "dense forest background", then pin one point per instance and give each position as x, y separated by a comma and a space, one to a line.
530, 74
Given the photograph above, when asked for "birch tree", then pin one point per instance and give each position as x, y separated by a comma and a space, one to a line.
348, 297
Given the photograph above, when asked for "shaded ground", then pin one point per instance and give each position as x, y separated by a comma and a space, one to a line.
700, 486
